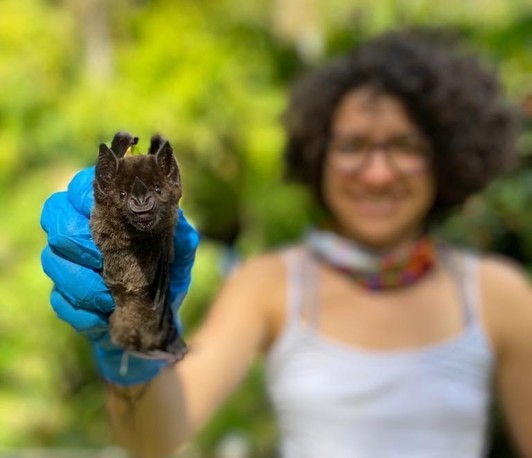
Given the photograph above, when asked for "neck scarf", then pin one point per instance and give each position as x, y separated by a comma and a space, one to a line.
372, 269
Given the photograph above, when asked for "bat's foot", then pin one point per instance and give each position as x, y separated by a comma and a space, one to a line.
142, 340
173, 352
144, 346
177, 347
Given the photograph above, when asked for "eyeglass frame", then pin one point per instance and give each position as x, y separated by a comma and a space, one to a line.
425, 151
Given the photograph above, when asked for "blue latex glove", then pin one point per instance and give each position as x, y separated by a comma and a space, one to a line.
80, 296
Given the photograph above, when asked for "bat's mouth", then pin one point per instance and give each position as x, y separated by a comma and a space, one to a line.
144, 222
146, 225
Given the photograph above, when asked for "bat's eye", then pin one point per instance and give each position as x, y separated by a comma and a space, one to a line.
123, 194
158, 189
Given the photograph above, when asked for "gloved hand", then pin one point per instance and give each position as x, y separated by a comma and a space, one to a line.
80, 296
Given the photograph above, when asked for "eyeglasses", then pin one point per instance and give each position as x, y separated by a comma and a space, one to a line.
405, 153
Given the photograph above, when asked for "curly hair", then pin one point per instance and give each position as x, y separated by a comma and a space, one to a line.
457, 103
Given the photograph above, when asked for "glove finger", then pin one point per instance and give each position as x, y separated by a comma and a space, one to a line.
80, 285
69, 231
92, 323
177, 295
186, 241
80, 191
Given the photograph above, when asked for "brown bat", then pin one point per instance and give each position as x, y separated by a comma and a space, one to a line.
133, 223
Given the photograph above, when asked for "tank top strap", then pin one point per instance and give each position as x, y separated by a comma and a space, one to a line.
463, 266
471, 283
310, 286
293, 283
302, 286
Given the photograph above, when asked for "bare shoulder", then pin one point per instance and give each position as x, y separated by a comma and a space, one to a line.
258, 280
257, 289
501, 276
266, 269
507, 299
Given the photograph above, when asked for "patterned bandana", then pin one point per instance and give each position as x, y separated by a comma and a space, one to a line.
372, 269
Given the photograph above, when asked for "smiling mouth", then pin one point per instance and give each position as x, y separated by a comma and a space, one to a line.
377, 205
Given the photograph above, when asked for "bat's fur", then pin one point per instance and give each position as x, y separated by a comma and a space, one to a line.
133, 223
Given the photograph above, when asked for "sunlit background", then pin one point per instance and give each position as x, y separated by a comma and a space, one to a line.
212, 76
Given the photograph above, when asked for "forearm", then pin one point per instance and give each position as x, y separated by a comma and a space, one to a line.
150, 420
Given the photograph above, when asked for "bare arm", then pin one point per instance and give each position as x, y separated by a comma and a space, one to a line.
509, 307
181, 399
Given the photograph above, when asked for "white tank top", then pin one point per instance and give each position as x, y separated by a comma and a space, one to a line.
334, 400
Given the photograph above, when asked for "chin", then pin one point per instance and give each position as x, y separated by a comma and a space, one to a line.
381, 238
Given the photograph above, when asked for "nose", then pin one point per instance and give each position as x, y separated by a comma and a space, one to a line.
141, 204
377, 171
140, 200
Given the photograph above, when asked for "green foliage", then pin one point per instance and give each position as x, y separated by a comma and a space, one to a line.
211, 76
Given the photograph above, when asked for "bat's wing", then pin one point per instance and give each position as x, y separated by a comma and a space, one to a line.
175, 346
161, 283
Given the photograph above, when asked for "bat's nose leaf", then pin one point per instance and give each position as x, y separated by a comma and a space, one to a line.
139, 188
141, 200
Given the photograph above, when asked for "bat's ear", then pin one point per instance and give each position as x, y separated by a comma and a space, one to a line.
106, 167
167, 163
122, 141
155, 144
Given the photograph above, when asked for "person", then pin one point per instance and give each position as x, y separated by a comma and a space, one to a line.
380, 340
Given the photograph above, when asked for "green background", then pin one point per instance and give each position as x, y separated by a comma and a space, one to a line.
211, 76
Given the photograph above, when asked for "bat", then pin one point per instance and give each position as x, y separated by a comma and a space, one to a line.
133, 223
